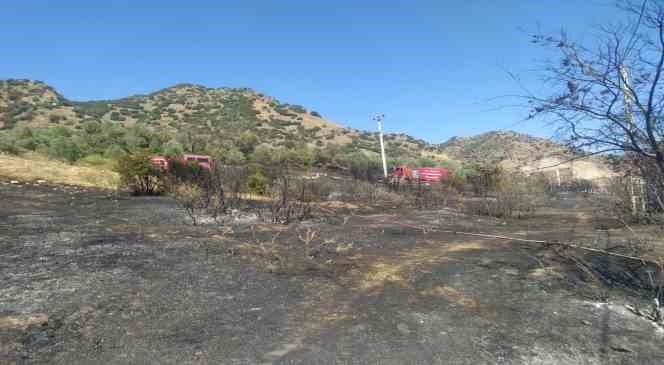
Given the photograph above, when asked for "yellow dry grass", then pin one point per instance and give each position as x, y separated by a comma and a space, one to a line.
22, 321
453, 295
458, 298
33, 167
336, 204
255, 197
398, 269
545, 272
266, 112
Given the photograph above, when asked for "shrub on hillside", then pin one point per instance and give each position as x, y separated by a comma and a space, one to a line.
91, 127
54, 118
247, 142
116, 116
114, 152
95, 108
139, 175
8, 144
297, 108
258, 183
64, 149
230, 155
173, 148
363, 167
186, 171
426, 161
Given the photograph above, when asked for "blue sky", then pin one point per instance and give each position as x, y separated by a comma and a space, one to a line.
430, 66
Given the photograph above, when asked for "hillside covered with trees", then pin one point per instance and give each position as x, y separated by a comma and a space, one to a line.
235, 126
232, 124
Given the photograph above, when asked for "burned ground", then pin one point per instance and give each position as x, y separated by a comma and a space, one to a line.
98, 277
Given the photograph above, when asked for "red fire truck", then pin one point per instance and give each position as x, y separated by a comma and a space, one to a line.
204, 161
164, 163
407, 174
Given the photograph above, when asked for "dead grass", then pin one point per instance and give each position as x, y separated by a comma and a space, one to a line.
335, 204
32, 167
399, 269
255, 197
22, 321
545, 273
454, 296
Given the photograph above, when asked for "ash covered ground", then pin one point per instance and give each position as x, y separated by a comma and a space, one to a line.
93, 277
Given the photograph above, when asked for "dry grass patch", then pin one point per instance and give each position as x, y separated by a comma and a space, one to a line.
33, 167
470, 246
399, 268
545, 273
335, 204
22, 321
380, 272
453, 296
458, 298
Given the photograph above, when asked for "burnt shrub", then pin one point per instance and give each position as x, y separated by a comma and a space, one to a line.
504, 204
508, 195
192, 199
202, 193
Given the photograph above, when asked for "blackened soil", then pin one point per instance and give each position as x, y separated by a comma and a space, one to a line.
91, 277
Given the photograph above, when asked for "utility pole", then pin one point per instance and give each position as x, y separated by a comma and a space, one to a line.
379, 119
627, 98
627, 95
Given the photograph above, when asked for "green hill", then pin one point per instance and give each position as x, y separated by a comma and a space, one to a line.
198, 112
498, 146
233, 124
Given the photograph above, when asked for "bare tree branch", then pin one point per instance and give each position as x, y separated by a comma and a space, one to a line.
594, 101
